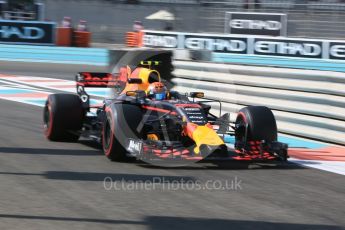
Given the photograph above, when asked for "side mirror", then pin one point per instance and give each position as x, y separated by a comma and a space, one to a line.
131, 93
137, 93
134, 81
197, 94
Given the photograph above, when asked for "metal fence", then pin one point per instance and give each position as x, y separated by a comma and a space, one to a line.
110, 19
314, 19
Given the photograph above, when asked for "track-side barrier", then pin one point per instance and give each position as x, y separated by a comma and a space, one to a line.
47, 54
64, 36
134, 39
306, 103
81, 38
300, 63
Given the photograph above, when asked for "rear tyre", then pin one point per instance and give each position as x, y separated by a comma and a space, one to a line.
63, 117
121, 123
256, 123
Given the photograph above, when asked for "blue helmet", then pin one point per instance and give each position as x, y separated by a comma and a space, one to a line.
158, 91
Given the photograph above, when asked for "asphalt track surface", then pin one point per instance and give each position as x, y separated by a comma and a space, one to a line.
49, 185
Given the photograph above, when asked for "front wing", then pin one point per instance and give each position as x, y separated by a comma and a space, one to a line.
253, 151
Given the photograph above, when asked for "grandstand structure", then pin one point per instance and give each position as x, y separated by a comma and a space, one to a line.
24, 10
110, 19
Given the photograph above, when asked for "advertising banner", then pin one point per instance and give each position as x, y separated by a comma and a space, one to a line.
288, 48
160, 40
215, 43
27, 32
246, 44
267, 24
337, 50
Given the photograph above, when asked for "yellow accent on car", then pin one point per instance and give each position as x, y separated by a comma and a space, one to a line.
152, 137
143, 74
203, 135
131, 93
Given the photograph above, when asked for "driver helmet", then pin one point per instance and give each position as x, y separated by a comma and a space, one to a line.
158, 91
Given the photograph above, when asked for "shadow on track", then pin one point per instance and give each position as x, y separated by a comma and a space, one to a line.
230, 165
87, 176
62, 152
226, 165
167, 223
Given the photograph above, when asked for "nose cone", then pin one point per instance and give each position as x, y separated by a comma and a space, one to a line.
203, 135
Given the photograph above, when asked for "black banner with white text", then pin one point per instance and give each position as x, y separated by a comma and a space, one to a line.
27, 32
242, 44
267, 24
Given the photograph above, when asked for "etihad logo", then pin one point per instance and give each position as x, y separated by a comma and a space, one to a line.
28, 32
215, 44
337, 51
160, 41
255, 24
288, 48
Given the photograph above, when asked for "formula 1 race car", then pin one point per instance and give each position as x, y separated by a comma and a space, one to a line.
137, 124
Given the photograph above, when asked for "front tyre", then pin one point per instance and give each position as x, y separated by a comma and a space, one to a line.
121, 123
256, 123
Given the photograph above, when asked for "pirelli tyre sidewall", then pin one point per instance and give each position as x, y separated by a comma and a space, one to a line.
63, 116
122, 122
261, 124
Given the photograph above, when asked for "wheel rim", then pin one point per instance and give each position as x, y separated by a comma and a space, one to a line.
241, 130
107, 137
47, 119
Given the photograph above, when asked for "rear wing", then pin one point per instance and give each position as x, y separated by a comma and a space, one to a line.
117, 81
93, 79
